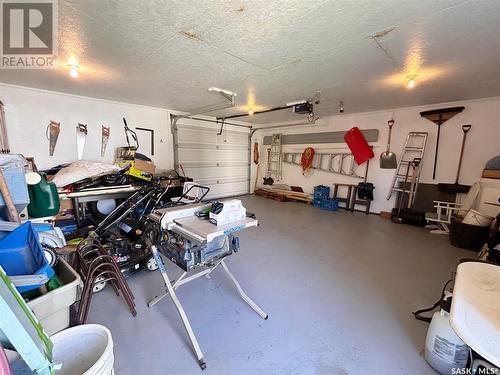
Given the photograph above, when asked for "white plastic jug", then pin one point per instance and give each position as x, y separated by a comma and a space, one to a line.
444, 350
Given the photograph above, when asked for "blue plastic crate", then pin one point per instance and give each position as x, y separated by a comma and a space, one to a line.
22, 254
330, 205
318, 202
321, 192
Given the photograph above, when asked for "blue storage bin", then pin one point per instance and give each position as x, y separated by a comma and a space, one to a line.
22, 254
321, 192
330, 205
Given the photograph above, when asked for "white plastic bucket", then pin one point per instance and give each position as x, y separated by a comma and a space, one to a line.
85, 349
474, 217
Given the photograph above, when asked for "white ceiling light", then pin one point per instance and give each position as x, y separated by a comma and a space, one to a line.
73, 72
73, 66
411, 81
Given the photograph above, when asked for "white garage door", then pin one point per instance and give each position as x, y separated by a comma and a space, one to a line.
220, 162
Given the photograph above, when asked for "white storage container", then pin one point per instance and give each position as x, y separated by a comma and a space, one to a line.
80, 350
474, 217
52, 309
85, 349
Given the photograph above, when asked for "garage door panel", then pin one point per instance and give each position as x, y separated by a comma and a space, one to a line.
228, 189
216, 172
233, 138
219, 161
210, 136
195, 155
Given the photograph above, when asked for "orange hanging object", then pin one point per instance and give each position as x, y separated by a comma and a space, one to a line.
256, 153
307, 159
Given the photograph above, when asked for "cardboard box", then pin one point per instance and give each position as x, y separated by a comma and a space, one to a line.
143, 165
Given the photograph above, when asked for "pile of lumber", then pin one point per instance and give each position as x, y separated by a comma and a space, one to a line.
284, 195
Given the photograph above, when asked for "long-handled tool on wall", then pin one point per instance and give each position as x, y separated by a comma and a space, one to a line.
397, 217
456, 187
439, 117
12, 213
365, 189
415, 165
132, 133
4, 141
388, 158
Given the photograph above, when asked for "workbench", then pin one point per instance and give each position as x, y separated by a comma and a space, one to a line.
96, 194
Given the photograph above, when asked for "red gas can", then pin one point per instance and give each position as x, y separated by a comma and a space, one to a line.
358, 145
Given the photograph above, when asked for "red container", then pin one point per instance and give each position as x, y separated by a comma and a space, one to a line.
358, 145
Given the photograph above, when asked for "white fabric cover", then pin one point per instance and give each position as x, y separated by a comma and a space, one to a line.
82, 169
475, 308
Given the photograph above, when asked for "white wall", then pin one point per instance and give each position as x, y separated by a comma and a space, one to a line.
28, 112
483, 142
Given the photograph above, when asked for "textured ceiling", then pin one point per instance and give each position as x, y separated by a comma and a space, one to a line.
167, 53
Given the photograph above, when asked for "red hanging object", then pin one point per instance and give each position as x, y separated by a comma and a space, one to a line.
358, 145
307, 159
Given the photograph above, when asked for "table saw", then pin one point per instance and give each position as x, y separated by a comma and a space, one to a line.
192, 243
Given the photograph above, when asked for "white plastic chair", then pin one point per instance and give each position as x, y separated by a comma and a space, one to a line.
445, 210
442, 216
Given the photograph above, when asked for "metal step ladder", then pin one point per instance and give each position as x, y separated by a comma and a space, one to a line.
274, 157
413, 149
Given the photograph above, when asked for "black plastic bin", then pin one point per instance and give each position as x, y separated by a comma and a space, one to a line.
466, 236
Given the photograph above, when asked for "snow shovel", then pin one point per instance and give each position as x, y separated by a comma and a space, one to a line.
388, 158
456, 187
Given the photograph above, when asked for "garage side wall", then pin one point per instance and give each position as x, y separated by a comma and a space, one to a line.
28, 112
483, 143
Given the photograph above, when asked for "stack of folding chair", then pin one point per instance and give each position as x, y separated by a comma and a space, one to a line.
93, 262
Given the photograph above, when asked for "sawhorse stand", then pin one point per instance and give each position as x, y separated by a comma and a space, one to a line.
172, 287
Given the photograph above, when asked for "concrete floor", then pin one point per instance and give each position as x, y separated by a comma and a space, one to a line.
339, 288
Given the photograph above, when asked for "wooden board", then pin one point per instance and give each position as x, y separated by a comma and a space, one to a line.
491, 173
270, 195
284, 195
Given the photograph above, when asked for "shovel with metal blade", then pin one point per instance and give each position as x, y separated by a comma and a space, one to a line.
388, 158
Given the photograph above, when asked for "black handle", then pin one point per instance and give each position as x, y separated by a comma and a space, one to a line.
466, 128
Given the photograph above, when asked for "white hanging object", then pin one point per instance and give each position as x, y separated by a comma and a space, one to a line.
52, 134
105, 138
81, 136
